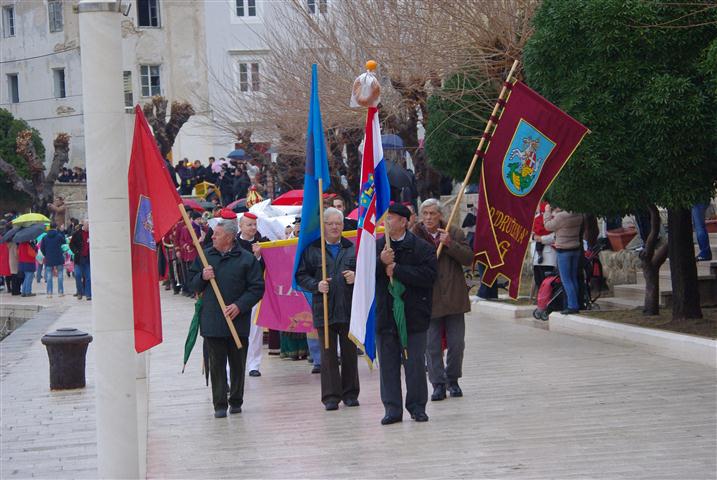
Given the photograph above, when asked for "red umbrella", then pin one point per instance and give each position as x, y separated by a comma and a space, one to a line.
294, 197
354, 214
237, 203
188, 202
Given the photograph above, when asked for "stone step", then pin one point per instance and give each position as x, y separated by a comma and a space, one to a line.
619, 303
703, 268
707, 285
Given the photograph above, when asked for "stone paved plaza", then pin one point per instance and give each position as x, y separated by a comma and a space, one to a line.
537, 405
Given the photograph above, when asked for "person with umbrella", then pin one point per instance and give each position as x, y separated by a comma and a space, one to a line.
405, 273
241, 284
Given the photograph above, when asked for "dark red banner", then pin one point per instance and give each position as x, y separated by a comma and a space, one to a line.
531, 143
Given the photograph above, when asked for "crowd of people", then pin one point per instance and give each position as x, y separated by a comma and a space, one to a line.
232, 178
72, 175
63, 248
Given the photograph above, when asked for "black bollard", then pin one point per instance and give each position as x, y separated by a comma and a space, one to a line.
66, 350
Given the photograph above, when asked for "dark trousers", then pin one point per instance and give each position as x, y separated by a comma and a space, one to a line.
221, 350
455, 328
13, 283
337, 386
274, 340
390, 359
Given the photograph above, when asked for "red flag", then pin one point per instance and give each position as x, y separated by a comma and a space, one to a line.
531, 144
153, 210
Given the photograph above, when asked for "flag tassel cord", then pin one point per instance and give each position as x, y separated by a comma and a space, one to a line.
492, 121
323, 263
212, 281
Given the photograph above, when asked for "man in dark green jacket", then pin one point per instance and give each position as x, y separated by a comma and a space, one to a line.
241, 283
340, 272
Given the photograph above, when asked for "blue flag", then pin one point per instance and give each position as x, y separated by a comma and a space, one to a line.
317, 167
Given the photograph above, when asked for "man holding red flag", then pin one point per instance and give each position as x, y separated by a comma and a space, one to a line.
153, 210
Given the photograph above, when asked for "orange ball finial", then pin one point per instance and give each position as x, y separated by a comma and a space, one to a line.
371, 65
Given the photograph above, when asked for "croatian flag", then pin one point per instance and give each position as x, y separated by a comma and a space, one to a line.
374, 199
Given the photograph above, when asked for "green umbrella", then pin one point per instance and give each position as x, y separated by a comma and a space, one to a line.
193, 332
396, 289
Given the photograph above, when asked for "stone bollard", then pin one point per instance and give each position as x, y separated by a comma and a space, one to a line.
66, 349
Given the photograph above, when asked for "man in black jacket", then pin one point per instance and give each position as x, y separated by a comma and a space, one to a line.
412, 261
241, 283
340, 273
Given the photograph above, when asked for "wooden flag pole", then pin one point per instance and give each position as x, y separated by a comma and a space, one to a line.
323, 262
488, 127
212, 281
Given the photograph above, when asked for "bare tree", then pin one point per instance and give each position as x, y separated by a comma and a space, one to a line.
165, 132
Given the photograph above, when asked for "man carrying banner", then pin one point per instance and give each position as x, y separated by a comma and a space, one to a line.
450, 300
340, 268
248, 239
411, 261
241, 283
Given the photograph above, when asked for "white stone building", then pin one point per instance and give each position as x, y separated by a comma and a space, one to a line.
164, 52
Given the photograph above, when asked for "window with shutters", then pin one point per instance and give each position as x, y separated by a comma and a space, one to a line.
127, 86
54, 14
8, 21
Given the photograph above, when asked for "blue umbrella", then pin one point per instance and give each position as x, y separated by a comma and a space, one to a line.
391, 142
238, 154
29, 233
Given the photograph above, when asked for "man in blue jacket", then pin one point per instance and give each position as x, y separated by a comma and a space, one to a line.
241, 283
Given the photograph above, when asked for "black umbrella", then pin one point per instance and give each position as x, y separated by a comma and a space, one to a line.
398, 177
29, 233
9, 234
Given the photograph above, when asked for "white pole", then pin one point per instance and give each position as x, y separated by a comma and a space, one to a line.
107, 162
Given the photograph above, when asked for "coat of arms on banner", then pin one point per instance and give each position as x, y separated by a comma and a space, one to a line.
524, 159
144, 227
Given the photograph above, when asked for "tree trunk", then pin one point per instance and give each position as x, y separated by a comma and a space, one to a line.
652, 259
165, 132
683, 269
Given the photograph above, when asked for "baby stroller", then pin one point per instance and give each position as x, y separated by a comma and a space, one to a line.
551, 294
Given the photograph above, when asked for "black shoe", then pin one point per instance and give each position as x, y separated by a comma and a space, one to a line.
388, 420
316, 369
569, 311
221, 413
89, 299
455, 390
233, 410
540, 259
254, 373
439, 393
331, 405
420, 417
351, 402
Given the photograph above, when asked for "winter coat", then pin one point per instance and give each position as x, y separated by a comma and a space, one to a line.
4, 261
309, 274
241, 185
240, 282
450, 292
417, 268
76, 246
26, 254
550, 256
58, 214
13, 258
567, 227
51, 248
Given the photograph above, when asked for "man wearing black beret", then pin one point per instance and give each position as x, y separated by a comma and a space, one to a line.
412, 261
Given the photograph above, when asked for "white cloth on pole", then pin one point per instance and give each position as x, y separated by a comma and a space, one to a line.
253, 352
